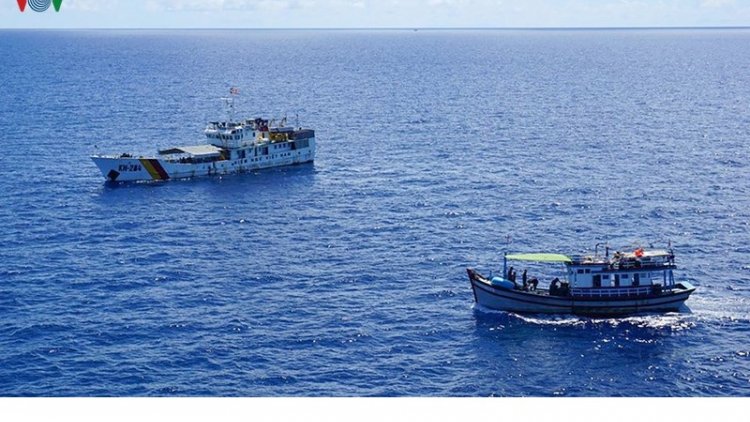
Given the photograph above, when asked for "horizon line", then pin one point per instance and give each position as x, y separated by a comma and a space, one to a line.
504, 28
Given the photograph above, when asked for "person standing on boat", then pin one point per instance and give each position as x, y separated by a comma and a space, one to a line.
524, 278
554, 288
511, 276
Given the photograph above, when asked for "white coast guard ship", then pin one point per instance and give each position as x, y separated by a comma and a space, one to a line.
231, 147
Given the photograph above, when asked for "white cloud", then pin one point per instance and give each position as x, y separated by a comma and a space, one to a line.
260, 5
207, 5
216, 5
88, 5
158, 5
717, 3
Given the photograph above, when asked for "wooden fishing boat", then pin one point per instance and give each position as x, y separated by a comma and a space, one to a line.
627, 283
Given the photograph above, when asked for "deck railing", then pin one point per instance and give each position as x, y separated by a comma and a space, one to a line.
645, 264
608, 292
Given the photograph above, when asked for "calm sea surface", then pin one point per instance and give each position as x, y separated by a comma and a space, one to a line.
347, 277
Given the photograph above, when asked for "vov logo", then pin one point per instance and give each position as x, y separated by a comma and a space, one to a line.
39, 5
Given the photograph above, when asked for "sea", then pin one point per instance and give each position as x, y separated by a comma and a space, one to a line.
437, 150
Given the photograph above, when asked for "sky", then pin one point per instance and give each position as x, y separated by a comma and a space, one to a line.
379, 14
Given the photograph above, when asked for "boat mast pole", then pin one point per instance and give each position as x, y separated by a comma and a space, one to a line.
505, 260
231, 110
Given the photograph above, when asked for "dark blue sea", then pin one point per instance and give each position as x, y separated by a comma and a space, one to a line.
437, 150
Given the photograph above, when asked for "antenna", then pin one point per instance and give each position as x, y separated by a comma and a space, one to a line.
229, 106
229, 101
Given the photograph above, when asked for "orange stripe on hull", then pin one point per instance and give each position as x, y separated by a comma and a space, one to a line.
159, 169
149, 168
148, 164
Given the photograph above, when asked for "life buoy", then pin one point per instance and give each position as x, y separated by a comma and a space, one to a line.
638, 252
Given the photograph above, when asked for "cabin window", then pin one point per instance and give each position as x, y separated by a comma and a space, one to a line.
597, 280
588, 271
580, 271
605, 276
624, 276
636, 279
617, 280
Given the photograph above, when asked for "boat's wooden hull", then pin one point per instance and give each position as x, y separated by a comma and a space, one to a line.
501, 298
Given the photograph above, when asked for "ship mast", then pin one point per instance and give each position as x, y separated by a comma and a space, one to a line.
229, 103
229, 106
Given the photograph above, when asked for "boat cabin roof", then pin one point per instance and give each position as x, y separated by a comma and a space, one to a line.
539, 257
640, 253
281, 129
196, 151
638, 257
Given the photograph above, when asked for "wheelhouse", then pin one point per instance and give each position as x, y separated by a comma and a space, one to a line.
627, 273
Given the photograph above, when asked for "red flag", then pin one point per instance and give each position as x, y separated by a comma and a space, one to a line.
22, 4
234, 91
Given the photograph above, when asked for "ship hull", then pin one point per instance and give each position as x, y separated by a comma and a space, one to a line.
502, 298
133, 169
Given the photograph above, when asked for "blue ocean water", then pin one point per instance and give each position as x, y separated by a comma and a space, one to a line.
347, 277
